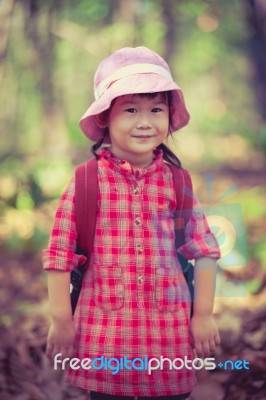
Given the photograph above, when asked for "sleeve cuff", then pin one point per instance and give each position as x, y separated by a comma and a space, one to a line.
196, 248
61, 261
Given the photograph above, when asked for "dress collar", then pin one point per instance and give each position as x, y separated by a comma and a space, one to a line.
123, 166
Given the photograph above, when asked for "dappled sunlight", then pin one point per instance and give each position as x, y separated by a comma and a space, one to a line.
8, 186
207, 23
20, 223
189, 147
215, 108
232, 148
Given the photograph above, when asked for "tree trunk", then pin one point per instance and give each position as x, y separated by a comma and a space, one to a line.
170, 21
256, 17
43, 42
5, 21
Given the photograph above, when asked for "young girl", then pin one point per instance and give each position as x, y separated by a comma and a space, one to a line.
134, 302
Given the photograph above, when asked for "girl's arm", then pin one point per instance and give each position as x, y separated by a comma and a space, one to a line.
61, 333
58, 260
203, 327
201, 245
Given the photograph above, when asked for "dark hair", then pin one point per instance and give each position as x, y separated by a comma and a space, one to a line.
168, 155
98, 144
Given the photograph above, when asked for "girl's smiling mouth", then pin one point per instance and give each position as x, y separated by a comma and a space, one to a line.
142, 136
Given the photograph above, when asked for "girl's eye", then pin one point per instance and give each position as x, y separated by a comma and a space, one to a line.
131, 110
156, 109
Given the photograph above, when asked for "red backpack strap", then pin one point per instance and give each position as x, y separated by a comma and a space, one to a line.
184, 200
86, 190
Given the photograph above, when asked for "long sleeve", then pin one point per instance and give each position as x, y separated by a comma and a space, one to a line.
60, 253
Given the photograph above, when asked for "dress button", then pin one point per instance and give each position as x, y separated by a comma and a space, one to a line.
137, 174
136, 190
137, 220
139, 249
140, 278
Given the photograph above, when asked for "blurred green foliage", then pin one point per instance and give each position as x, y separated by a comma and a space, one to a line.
50, 51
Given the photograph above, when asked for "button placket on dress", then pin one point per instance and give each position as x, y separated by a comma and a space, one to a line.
138, 233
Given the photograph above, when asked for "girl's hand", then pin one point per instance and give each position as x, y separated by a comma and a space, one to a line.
205, 334
60, 339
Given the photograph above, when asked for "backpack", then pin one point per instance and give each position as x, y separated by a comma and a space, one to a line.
86, 188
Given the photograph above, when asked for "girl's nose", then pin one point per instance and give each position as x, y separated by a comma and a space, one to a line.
144, 122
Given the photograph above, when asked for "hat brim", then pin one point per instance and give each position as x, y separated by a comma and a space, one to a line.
139, 83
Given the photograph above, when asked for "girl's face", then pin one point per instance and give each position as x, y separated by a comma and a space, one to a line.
137, 125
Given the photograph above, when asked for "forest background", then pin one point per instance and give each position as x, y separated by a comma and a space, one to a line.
49, 51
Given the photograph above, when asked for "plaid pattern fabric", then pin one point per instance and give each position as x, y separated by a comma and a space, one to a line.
134, 301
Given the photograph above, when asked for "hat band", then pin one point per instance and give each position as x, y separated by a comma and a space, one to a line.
132, 69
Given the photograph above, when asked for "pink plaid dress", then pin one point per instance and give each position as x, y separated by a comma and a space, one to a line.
134, 301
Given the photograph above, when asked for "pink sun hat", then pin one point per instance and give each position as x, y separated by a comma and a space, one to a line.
131, 71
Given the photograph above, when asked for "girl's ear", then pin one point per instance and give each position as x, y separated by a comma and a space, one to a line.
101, 119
